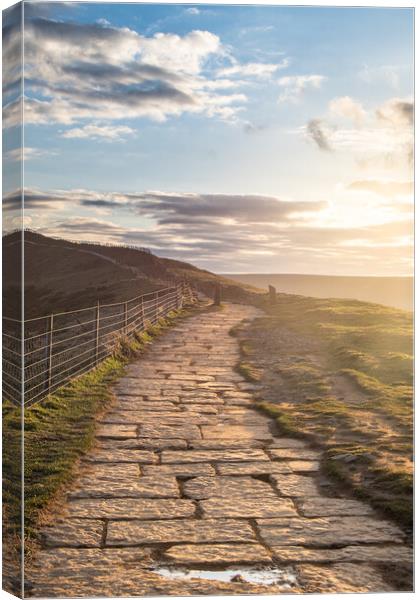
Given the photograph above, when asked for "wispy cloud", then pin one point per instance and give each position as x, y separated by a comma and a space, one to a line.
107, 132
254, 69
383, 188
295, 86
27, 153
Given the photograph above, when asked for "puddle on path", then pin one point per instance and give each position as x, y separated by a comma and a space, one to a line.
262, 575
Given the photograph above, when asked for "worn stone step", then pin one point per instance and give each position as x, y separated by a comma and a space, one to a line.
294, 454
201, 488
321, 506
144, 487
328, 531
248, 507
185, 431
294, 486
122, 455
180, 470
192, 456
141, 443
395, 553
252, 468
79, 533
217, 554
128, 533
129, 508
225, 431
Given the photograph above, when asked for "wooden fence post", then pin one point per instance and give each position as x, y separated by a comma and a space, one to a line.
97, 334
50, 353
217, 294
273, 294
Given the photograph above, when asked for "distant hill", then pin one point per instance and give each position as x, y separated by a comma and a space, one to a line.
390, 291
61, 275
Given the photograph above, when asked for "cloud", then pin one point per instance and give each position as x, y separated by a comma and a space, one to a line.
27, 153
390, 74
93, 71
317, 132
382, 137
207, 228
259, 70
107, 132
383, 188
349, 108
231, 207
296, 85
192, 11
396, 112
33, 199
256, 29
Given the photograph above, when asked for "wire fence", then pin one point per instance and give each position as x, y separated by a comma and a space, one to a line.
43, 354
81, 242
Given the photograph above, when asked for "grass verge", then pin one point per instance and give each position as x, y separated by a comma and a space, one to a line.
339, 374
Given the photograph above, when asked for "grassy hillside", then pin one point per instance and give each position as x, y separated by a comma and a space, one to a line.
340, 373
391, 291
62, 275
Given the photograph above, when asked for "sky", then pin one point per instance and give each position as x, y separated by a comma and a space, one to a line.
253, 139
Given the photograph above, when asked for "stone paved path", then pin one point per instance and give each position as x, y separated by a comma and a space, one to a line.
186, 473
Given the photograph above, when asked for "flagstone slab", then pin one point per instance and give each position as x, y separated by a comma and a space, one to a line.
147, 406
202, 409
181, 470
320, 506
328, 531
201, 488
122, 455
141, 443
252, 468
217, 554
304, 466
184, 432
248, 508
293, 454
395, 553
238, 401
116, 431
127, 533
81, 533
197, 399
163, 419
192, 456
109, 472
75, 561
223, 431
294, 486
144, 487
130, 508
227, 444
341, 578
191, 377
288, 443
